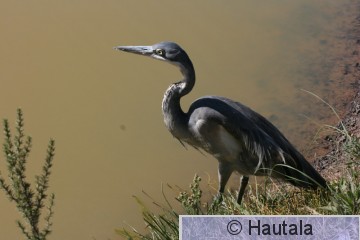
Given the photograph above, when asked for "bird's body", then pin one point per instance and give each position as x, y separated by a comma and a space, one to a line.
238, 137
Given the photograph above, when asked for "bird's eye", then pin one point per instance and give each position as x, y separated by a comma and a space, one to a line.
160, 52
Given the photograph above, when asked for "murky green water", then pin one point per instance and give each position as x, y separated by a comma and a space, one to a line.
104, 108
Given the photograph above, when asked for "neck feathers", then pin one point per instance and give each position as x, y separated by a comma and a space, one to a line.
174, 118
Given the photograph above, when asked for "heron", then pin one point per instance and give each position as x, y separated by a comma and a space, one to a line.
240, 139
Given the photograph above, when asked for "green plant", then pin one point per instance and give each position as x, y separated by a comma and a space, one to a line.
29, 202
352, 146
160, 226
345, 194
191, 202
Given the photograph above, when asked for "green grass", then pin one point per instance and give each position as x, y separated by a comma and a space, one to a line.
343, 198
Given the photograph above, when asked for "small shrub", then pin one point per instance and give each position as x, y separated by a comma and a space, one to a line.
29, 201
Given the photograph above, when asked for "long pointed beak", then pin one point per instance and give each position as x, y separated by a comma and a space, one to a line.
142, 50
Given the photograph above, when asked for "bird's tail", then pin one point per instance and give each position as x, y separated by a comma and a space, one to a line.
299, 172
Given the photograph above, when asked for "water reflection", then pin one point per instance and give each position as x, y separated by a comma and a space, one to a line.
103, 108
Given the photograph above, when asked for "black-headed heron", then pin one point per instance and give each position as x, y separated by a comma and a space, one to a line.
238, 137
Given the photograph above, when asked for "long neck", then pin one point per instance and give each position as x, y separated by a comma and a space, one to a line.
175, 119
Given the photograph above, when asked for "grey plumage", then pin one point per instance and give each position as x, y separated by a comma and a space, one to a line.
238, 137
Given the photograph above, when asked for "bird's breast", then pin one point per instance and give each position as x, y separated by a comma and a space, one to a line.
216, 140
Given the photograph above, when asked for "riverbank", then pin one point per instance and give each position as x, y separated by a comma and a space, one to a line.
330, 155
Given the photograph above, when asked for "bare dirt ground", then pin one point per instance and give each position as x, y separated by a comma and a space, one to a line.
329, 157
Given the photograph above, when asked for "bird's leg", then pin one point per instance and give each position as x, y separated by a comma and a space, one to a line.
243, 184
224, 174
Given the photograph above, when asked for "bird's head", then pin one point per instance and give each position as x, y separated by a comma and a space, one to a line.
165, 51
